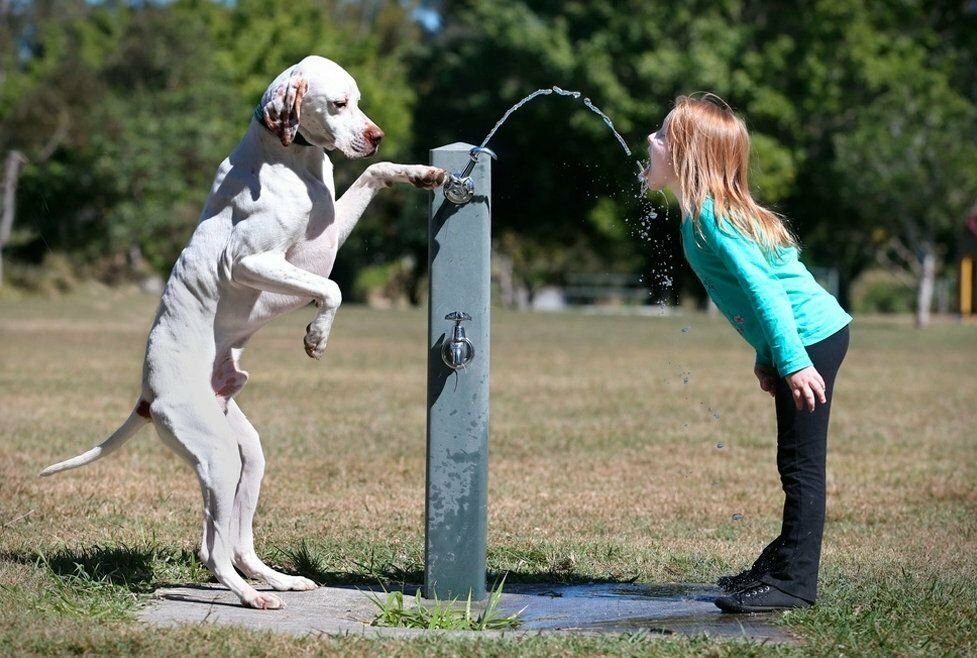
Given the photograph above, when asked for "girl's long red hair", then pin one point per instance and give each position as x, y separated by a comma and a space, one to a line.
710, 150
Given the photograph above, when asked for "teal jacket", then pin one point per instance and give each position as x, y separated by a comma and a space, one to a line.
774, 303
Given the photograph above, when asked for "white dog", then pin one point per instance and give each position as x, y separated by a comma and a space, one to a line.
265, 245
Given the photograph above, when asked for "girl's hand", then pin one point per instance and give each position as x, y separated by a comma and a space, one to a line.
767, 378
806, 386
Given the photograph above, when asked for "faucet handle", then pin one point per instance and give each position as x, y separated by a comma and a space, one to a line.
459, 188
457, 351
478, 150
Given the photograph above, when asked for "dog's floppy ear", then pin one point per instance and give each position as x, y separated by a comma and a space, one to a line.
281, 106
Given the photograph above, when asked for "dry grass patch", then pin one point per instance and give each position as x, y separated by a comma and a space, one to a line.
622, 448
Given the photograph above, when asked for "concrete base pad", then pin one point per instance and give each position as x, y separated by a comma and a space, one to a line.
588, 608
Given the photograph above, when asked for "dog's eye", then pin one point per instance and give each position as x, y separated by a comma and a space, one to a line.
340, 104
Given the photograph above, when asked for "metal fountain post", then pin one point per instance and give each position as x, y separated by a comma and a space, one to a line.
459, 263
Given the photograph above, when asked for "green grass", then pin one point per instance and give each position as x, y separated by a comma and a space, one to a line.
604, 467
396, 611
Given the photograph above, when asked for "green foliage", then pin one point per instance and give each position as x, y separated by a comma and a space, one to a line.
145, 113
878, 291
799, 74
392, 281
142, 102
441, 615
907, 167
774, 169
56, 276
856, 109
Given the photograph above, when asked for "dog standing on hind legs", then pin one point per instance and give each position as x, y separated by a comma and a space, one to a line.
265, 245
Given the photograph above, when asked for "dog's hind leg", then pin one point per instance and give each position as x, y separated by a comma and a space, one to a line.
245, 503
202, 434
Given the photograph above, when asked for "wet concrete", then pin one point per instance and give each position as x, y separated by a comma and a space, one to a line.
676, 608
685, 609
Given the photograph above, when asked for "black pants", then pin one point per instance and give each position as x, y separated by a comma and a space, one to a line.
790, 562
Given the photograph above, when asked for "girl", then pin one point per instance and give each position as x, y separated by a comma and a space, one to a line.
747, 260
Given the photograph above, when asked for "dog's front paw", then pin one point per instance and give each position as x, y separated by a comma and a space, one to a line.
317, 331
284, 582
264, 601
315, 345
315, 342
426, 178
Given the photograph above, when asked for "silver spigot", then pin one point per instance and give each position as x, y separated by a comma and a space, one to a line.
457, 352
460, 188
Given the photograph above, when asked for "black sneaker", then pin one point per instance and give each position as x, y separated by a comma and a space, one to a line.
759, 597
739, 581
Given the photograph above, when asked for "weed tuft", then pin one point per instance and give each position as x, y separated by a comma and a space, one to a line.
443, 615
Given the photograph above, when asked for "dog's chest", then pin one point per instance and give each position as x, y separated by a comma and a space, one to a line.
320, 188
315, 250
322, 214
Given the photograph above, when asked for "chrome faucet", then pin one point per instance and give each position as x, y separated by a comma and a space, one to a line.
460, 188
457, 352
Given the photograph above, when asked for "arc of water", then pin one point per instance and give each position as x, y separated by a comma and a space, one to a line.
562, 92
589, 104
498, 124
607, 120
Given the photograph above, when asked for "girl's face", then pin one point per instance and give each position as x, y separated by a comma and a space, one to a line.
660, 172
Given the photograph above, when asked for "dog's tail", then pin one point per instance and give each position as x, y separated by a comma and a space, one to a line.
136, 421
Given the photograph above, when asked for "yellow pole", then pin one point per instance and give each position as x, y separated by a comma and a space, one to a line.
966, 285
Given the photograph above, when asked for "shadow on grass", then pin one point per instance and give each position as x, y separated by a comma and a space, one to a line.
144, 569
385, 567
380, 568
138, 569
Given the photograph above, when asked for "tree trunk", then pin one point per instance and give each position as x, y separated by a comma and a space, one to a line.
15, 160
502, 272
927, 281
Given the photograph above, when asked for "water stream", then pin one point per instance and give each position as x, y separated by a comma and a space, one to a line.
649, 213
562, 92
642, 227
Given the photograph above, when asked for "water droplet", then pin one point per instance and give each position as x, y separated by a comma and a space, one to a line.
737, 517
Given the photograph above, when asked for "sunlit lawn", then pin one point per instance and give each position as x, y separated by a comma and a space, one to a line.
621, 448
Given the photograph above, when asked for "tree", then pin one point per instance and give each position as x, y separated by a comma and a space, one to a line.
906, 166
148, 106
847, 67
148, 99
123, 111
565, 196
11, 175
27, 136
